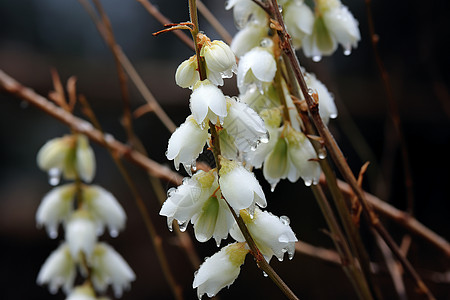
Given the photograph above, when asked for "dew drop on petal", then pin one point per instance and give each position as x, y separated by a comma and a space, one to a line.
316, 58
170, 224
308, 182
266, 43
53, 233
183, 225
291, 255
170, 192
113, 233
285, 220
280, 9
265, 138
54, 176
187, 168
273, 186
280, 258
347, 52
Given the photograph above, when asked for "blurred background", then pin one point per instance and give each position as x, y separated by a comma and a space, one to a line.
37, 35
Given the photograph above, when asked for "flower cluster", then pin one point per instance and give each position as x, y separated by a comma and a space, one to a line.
207, 199
318, 33
84, 211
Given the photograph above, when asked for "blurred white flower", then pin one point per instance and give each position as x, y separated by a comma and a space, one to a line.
109, 268
186, 143
104, 208
199, 200
245, 126
55, 207
83, 292
207, 102
187, 75
248, 38
59, 270
220, 270
327, 107
81, 233
258, 67
69, 155
239, 186
245, 11
272, 234
299, 21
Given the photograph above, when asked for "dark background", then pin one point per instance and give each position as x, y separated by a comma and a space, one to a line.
36, 36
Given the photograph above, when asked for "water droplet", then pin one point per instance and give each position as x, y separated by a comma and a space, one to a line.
170, 224
322, 153
114, 233
194, 166
54, 176
333, 116
273, 186
266, 43
265, 274
291, 255
310, 92
53, 233
308, 182
183, 225
280, 258
218, 243
187, 167
280, 9
316, 58
347, 52
265, 138
170, 192
285, 220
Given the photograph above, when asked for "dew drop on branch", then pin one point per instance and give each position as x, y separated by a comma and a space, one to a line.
322, 153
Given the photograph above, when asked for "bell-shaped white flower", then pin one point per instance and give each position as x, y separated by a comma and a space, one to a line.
208, 103
258, 67
186, 143
199, 200
109, 268
327, 107
273, 235
219, 58
220, 270
187, 75
85, 159
69, 156
59, 270
245, 11
245, 126
277, 164
239, 186
56, 207
83, 292
104, 208
81, 233
248, 38
303, 156
299, 21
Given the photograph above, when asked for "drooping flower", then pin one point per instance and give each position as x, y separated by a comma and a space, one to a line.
59, 270
109, 268
56, 207
245, 11
198, 200
244, 125
69, 155
220, 270
257, 67
299, 20
187, 75
81, 233
273, 235
239, 186
219, 59
186, 143
327, 107
248, 38
104, 208
207, 103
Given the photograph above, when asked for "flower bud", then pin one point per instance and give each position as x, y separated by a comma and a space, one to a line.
219, 58
85, 159
187, 75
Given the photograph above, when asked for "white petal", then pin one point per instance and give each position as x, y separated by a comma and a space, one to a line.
343, 26
248, 38
187, 74
85, 159
206, 96
53, 153
81, 233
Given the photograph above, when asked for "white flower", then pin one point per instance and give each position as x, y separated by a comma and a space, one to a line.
84, 292
299, 20
199, 200
69, 156
59, 270
186, 143
303, 156
327, 107
104, 208
220, 270
272, 234
239, 186
187, 75
56, 207
109, 268
244, 125
258, 67
81, 233
207, 102
85, 159
248, 38
219, 58
245, 11
277, 164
